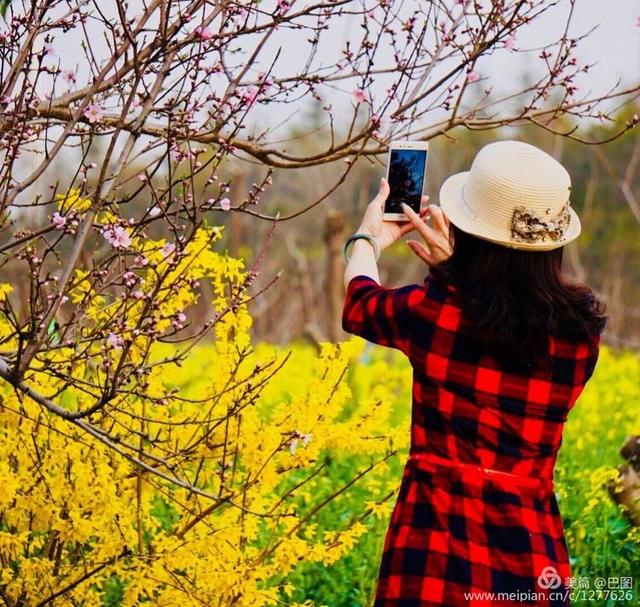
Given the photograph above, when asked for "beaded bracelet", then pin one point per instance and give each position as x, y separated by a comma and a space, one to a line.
371, 239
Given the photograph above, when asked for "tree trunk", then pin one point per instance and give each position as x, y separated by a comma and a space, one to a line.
334, 237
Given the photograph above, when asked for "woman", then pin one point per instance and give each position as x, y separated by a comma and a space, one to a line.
501, 346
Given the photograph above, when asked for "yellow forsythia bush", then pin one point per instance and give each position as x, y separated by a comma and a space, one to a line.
250, 428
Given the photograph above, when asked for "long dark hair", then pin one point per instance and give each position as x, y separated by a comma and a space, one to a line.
515, 299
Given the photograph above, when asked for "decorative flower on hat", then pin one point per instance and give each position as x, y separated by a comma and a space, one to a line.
527, 226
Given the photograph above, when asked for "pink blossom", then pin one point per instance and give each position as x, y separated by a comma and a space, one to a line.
225, 204
114, 341
204, 33
141, 260
472, 77
168, 248
178, 322
58, 220
381, 123
250, 95
93, 112
359, 95
117, 237
510, 42
137, 294
155, 211
69, 75
142, 177
638, 21
283, 6
239, 11
266, 83
295, 441
48, 50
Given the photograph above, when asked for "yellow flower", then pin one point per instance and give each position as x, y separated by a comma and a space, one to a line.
379, 510
5, 289
72, 200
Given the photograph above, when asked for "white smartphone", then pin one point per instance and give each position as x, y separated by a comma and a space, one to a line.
406, 169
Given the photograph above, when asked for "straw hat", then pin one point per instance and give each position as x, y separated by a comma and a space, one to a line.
515, 195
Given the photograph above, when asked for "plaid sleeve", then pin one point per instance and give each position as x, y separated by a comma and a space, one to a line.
378, 314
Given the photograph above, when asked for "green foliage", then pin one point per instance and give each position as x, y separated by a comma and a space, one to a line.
113, 592
601, 541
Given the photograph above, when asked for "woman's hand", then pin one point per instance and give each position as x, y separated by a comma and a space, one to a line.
386, 232
436, 238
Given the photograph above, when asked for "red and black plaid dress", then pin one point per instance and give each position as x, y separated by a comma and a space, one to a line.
476, 521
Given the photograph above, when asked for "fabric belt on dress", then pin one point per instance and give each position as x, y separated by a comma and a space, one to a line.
432, 462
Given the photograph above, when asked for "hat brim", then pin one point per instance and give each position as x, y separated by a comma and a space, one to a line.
452, 203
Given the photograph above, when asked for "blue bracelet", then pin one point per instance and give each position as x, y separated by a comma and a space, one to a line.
371, 239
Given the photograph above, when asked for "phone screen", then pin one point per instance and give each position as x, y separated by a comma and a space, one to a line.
406, 179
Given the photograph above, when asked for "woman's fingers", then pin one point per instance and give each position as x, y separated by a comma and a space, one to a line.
421, 251
407, 226
436, 238
425, 231
439, 220
383, 193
